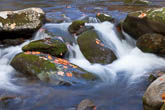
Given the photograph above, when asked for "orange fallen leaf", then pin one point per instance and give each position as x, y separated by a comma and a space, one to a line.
161, 79
163, 97
49, 57
98, 14
38, 52
65, 67
28, 52
102, 44
97, 42
61, 73
142, 15
68, 74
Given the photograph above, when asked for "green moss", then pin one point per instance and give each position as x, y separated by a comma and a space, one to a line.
75, 26
32, 64
163, 107
138, 2
54, 48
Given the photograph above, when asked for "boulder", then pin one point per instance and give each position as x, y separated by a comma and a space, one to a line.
21, 23
154, 96
145, 21
75, 26
93, 49
12, 42
52, 46
137, 2
152, 43
50, 69
104, 17
86, 105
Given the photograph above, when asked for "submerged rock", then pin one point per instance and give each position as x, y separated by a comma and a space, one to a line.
152, 43
154, 97
93, 49
145, 21
137, 2
86, 105
104, 17
52, 46
50, 69
21, 23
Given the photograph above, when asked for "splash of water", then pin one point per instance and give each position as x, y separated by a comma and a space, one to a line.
6, 71
131, 61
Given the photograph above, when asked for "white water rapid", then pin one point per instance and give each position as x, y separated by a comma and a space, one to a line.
130, 59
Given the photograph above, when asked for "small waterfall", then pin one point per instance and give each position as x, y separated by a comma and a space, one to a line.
6, 71
131, 60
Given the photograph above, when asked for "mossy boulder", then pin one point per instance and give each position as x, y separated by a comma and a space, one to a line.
75, 26
154, 96
104, 17
145, 21
93, 49
152, 43
137, 2
163, 107
52, 46
21, 23
50, 69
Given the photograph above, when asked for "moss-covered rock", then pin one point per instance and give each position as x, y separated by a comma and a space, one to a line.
104, 17
50, 69
163, 107
75, 26
145, 21
137, 2
93, 49
20, 23
154, 96
152, 43
50, 46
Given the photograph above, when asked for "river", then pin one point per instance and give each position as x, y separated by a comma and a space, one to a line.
123, 82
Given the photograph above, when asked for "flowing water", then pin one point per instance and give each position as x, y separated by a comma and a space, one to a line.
123, 81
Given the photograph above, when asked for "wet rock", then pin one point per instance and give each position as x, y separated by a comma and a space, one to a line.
21, 23
93, 49
50, 69
154, 75
52, 46
152, 43
154, 96
145, 21
163, 107
104, 17
86, 105
75, 26
137, 2
12, 42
